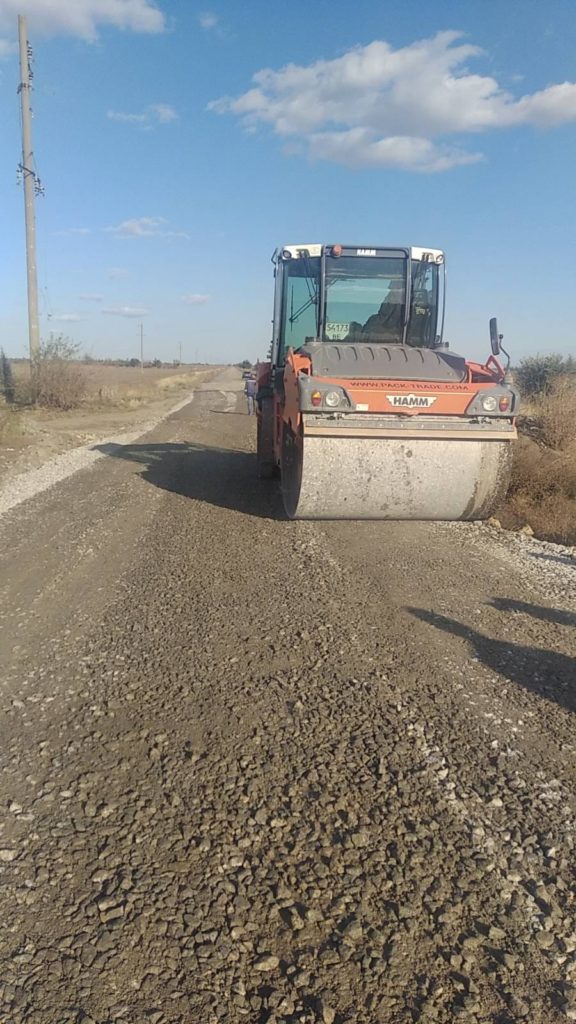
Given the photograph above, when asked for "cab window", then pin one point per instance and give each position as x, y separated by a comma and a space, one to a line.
300, 304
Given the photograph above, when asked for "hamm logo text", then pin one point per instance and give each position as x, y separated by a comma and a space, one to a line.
411, 401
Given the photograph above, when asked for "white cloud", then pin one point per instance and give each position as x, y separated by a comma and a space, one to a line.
163, 112
194, 299
83, 17
118, 115
156, 113
401, 151
208, 20
144, 227
376, 106
127, 311
138, 227
65, 318
117, 273
91, 297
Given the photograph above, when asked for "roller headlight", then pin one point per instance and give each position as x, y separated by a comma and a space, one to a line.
332, 399
497, 401
489, 403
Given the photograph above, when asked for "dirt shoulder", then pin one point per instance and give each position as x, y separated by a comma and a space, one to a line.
121, 400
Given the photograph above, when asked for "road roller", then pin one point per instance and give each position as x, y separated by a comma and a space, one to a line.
363, 411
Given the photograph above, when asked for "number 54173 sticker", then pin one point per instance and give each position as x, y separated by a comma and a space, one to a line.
336, 332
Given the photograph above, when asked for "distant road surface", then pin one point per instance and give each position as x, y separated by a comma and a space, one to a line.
266, 771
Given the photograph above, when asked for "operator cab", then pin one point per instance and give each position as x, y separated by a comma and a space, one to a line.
362, 295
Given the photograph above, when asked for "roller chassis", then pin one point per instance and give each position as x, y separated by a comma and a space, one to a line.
371, 429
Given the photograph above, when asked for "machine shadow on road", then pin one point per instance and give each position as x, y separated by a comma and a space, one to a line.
547, 673
224, 477
557, 615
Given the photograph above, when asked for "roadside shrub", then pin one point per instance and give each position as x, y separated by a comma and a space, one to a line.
543, 486
542, 491
57, 381
556, 413
7, 387
536, 375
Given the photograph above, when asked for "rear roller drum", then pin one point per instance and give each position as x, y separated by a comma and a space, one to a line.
291, 470
265, 440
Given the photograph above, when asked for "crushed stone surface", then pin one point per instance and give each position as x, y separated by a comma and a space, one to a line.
543, 566
278, 772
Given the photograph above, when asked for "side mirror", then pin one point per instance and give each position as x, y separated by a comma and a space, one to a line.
495, 337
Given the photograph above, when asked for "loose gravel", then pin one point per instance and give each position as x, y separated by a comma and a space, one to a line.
542, 566
289, 773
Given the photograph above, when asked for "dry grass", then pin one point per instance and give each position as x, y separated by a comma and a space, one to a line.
557, 415
543, 487
58, 384
69, 384
119, 387
10, 424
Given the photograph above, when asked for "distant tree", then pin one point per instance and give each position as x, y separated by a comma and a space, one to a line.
245, 364
156, 363
133, 362
536, 375
6, 377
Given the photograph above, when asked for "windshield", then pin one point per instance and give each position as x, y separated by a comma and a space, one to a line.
366, 301
300, 302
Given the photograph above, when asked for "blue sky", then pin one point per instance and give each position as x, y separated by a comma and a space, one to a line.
171, 172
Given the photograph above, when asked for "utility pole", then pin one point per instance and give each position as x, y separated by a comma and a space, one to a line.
180, 354
32, 187
141, 348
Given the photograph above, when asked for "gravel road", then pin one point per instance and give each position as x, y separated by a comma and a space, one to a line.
263, 771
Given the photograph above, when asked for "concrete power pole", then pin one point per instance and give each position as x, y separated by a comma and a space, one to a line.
141, 348
31, 188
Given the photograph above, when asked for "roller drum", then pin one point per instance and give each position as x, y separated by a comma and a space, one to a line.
390, 478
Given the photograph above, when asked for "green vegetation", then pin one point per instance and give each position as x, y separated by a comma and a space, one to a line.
7, 386
537, 375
